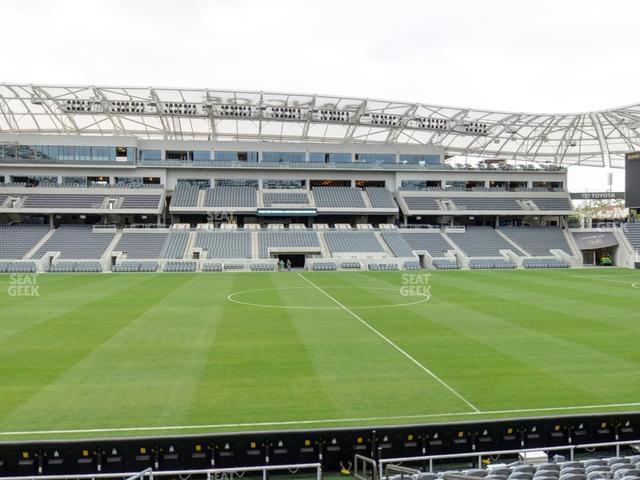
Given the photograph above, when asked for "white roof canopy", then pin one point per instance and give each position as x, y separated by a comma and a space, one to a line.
599, 138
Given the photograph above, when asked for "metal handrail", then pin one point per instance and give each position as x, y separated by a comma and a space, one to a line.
572, 448
210, 473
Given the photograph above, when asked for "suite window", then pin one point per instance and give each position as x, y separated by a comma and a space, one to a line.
152, 155
7, 151
275, 184
226, 156
318, 157
36, 180
283, 157
201, 183
74, 181
413, 185
83, 153
121, 154
236, 182
419, 159
375, 157
104, 154
98, 181
179, 155
202, 156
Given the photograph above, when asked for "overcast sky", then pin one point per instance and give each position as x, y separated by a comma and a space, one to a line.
520, 55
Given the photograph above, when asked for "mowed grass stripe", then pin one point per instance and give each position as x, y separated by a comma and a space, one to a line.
566, 371
150, 365
396, 347
258, 366
53, 298
604, 329
514, 342
364, 373
596, 321
545, 338
39, 355
472, 346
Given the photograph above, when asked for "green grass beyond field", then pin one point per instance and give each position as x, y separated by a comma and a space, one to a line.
146, 354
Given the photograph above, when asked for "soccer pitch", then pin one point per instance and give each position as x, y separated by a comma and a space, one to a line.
96, 355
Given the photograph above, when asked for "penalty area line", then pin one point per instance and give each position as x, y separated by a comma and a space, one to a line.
394, 345
312, 422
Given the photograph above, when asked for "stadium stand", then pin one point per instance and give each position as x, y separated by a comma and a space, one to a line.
180, 266
537, 241
212, 267
136, 202
45, 200
66, 266
338, 197
128, 266
224, 244
262, 267
185, 196
553, 203
176, 244
17, 267
481, 242
324, 266
380, 197
142, 245
77, 242
445, 264
17, 241
397, 244
383, 266
363, 242
421, 203
285, 198
594, 468
232, 197
287, 239
544, 263
432, 242
488, 263
351, 265
486, 203
632, 232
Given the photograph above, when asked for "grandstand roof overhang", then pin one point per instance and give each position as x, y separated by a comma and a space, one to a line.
598, 138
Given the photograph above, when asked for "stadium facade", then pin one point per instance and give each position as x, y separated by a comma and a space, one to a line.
240, 180
99, 179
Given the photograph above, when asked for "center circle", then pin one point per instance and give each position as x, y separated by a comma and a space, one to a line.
233, 298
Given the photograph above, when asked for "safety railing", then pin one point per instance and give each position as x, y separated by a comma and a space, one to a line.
209, 474
383, 464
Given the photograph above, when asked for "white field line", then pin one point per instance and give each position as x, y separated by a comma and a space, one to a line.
413, 360
602, 279
313, 422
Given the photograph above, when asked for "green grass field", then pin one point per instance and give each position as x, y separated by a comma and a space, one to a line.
146, 354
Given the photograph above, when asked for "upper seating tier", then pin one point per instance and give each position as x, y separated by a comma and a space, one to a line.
338, 197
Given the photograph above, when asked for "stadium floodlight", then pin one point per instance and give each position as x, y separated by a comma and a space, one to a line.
287, 113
